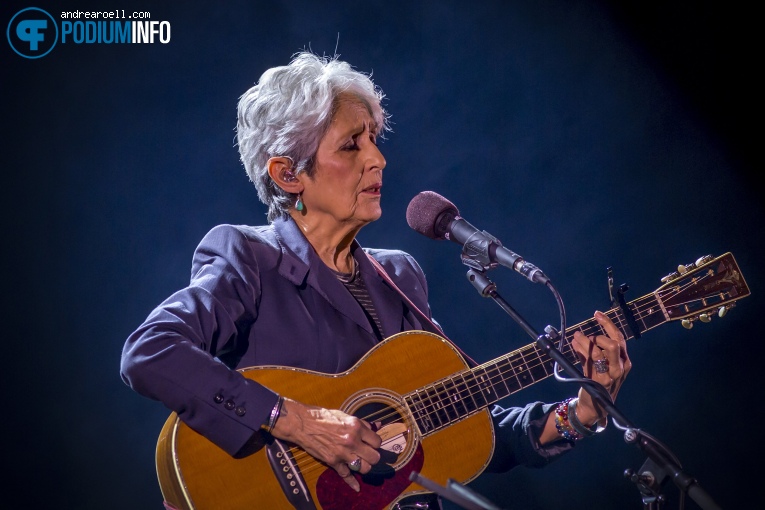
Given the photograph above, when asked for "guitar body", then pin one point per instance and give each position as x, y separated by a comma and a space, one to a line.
194, 474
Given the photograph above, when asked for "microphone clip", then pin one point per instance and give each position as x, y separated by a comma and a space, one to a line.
476, 252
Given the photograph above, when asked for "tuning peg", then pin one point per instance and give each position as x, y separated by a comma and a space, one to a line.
722, 311
687, 324
682, 269
703, 260
670, 277
704, 317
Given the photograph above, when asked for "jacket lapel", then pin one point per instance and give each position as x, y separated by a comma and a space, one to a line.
388, 303
301, 265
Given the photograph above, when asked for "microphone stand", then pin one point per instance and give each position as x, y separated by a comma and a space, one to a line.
455, 492
661, 462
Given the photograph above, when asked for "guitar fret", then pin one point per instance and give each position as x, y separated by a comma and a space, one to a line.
444, 404
568, 349
481, 402
536, 368
497, 378
465, 395
487, 393
485, 386
648, 312
421, 413
437, 407
520, 368
512, 382
642, 319
453, 396
474, 401
497, 381
619, 320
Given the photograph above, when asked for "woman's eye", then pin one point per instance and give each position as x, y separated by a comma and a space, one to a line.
352, 144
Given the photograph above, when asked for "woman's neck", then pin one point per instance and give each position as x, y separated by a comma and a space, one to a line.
332, 243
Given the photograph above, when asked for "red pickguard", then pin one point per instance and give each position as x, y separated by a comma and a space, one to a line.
334, 494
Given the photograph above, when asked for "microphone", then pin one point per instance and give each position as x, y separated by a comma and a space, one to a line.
435, 217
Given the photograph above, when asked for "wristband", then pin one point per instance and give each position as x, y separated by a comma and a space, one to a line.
578, 425
268, 427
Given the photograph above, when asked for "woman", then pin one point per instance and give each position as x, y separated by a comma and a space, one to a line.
301, 292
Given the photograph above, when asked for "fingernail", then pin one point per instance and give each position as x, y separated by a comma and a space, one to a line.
599, 315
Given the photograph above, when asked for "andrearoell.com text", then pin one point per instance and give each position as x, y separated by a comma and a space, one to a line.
114, 14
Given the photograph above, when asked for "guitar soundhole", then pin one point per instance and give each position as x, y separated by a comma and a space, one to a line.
389, 424
387, 416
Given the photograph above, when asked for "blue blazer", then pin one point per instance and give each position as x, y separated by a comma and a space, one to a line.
261, 296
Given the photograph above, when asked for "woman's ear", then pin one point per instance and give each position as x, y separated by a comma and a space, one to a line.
281, 170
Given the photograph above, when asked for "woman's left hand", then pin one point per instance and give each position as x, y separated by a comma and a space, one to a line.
604, 359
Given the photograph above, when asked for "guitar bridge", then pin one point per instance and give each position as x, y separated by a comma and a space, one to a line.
286, 471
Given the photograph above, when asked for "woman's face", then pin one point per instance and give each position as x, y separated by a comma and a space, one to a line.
345, 187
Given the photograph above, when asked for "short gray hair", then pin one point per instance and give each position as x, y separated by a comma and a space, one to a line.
288, 112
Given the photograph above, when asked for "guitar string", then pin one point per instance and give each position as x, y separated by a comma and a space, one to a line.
502, 373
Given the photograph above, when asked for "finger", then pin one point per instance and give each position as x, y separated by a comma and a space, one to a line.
605, 346
369, 436
365, 446
580, 343
582, 346
609, 327
358, 464
592, 347
369, 457
615, 344
346, 474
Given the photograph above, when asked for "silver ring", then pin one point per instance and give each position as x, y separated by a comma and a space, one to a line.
601, 365
355, 465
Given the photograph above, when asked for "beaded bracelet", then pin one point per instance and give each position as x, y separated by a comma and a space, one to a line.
268, 427
562, 424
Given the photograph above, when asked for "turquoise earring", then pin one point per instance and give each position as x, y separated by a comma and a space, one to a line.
299, 203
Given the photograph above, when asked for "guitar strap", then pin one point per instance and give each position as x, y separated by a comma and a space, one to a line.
381, 271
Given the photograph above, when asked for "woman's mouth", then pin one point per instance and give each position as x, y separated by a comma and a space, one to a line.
373, 189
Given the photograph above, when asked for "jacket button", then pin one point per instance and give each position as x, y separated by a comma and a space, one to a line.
218, 398
240, 411
229, 404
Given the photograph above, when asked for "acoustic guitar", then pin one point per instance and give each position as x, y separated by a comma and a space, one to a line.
421, 396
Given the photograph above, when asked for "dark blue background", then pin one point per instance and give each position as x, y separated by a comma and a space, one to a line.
584, 134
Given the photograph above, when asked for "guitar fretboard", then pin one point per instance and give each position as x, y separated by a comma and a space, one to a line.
465, 393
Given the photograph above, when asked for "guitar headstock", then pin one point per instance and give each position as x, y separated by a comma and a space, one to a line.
697, 291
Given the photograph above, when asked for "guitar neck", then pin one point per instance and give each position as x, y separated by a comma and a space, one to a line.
450, 400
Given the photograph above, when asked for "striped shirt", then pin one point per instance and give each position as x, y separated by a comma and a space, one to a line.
358, 289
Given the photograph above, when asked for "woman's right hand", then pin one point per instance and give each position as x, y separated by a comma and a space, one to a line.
330, 436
